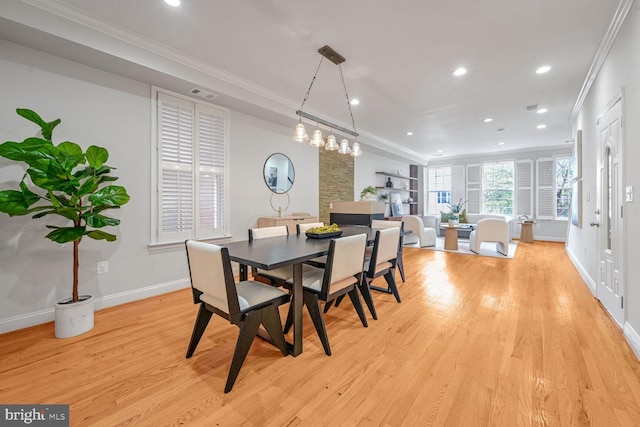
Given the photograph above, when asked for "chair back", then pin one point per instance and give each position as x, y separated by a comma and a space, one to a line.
212, 276
385, 250
344, 263
262, 233
302, 228
494, 228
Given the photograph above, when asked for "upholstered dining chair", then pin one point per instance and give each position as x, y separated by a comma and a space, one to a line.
341, 276
247, 304
321, 261
490, 230
383, 262
376, 224
277, 276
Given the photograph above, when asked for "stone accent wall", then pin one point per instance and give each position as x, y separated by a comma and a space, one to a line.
336, 180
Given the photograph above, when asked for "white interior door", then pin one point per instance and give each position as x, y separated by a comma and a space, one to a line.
610, 285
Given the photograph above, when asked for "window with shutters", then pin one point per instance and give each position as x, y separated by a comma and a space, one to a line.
545, 189
498, 187
438, 189
473, 188
192, 169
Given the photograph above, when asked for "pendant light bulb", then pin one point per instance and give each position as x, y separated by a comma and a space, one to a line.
300, 133
356, 151
344, 147
316, 138
332, 145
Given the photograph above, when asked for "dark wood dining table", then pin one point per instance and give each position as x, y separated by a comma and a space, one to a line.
276, 252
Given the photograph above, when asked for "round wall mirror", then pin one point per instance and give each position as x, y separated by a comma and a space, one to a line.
279, 173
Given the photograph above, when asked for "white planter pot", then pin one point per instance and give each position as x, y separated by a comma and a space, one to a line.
72, 319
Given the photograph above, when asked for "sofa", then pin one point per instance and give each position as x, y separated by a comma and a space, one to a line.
434, 220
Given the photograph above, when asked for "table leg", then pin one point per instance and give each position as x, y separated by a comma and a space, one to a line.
297, 309
244, 272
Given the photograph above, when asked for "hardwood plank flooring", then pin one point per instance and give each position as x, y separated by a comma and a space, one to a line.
476, 341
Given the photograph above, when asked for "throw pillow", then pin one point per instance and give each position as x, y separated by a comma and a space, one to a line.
463, 217
444, 217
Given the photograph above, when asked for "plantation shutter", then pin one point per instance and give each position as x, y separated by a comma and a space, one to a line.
175, 124
546, 188
473, 188
192, 155
457, 184
524, 188
211, 162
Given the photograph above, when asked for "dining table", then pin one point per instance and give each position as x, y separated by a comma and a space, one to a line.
280, 251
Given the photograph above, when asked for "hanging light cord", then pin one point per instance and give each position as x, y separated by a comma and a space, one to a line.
306, 95
344, 86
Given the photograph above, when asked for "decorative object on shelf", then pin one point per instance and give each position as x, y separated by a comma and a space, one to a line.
279, 173
300, 133
384, 197
74, 189
389, 183
409, 199
280, 210
396, 203
367, 193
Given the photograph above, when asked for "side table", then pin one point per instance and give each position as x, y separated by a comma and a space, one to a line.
450, 237
526, 232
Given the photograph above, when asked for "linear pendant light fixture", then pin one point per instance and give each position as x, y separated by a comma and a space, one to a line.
300, 133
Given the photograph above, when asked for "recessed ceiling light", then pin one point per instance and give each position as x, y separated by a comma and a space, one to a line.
543, 69
174, 3
355, 101
488, 119
439, 151
460, 72
541, 126
501, 143
541, 110
409, 133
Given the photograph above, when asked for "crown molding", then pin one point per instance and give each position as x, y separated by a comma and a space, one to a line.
601, 54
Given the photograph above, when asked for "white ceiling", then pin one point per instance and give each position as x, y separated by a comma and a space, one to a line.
399, 60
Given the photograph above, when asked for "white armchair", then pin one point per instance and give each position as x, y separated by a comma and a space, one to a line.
490, 230
426, 236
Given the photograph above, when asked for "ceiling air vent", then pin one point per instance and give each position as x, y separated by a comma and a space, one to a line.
202, 93
532, 107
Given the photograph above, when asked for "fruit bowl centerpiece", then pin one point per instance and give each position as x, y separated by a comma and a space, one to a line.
324, 232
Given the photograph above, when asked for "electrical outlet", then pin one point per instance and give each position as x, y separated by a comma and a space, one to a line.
103, 267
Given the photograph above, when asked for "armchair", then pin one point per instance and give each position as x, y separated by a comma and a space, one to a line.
426, 236
490, 230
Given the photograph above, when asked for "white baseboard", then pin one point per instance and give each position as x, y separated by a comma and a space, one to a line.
632, 338
550, 238
583, 273
43, 316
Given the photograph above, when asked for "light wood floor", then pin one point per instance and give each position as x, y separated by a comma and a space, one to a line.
476, 341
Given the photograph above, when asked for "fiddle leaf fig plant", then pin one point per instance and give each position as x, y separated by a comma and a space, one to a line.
69, 183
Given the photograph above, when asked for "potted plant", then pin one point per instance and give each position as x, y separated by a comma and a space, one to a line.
368, 192
455, 211
384, 197
71, 184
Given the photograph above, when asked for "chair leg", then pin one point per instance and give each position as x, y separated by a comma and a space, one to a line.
389, 276
327, 306
368, 299
339, 300
289, 322
355, 300
313, 305
401, 268
273, 325
248, 330
202, 320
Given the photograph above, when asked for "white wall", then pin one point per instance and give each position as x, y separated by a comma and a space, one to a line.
104, 109
620, 72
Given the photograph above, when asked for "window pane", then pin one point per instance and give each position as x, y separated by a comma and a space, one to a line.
563, 187
498, 188
439, 189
